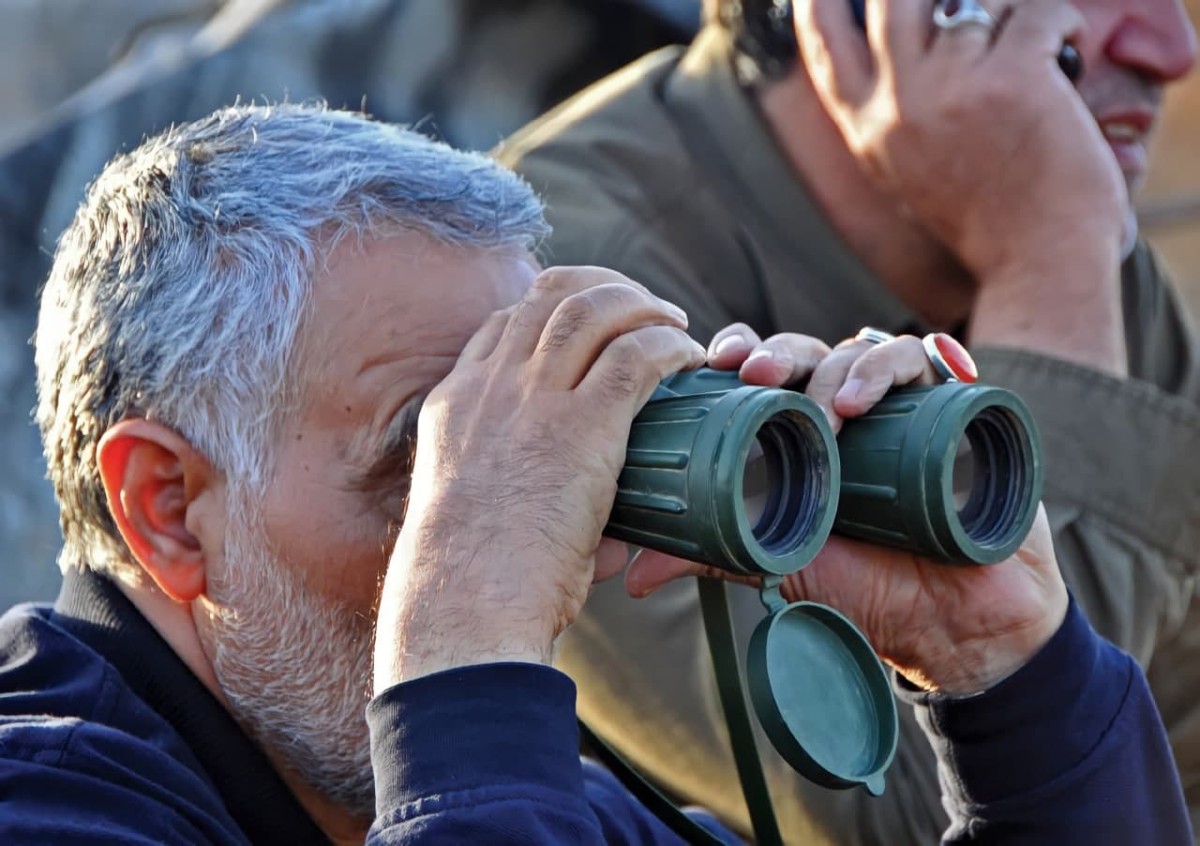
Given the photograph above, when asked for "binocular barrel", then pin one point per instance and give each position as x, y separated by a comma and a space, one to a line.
739, 477
752, 480
951, 472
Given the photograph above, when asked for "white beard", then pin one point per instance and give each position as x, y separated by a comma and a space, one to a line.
295, 669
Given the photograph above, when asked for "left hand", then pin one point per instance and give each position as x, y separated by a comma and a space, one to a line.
950, 628
845, 381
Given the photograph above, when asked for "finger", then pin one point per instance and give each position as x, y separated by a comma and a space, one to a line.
834, 52
730, 347
897, 32
553, 285
965, 45
783, 359
1035, 32
900, 361
651, 570
483, 343
631, 366
830, 374
611, 558
583, 324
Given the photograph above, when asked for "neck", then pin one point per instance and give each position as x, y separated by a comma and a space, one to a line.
875, 225
176, 624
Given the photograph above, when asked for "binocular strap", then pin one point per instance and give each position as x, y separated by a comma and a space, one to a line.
723, 648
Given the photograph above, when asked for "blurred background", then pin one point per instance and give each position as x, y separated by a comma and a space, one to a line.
83, 79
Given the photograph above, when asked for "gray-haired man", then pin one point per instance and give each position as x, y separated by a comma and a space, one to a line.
246, 326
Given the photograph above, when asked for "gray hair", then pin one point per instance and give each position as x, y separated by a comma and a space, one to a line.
178, 292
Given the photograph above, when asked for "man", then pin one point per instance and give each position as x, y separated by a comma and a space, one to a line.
170, 61
248, 322
790, 172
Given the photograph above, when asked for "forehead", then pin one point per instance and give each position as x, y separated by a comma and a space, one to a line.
404, 305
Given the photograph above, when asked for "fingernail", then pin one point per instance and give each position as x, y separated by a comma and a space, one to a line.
850, 390
677, 311
728, 343
760, 354
634, 552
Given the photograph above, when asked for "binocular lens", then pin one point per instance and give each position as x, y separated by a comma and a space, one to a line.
990, 484
759, 478
781, 493
964, 473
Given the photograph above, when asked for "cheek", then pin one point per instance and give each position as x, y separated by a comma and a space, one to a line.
332, 539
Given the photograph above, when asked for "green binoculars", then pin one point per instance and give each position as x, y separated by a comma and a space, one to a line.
752, 479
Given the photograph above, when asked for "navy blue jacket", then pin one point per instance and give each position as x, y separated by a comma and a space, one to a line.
106, 737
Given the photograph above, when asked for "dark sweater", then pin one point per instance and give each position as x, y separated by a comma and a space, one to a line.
106, 737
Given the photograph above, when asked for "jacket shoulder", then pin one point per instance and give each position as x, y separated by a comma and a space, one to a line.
82, 758
610, 160
1163, 340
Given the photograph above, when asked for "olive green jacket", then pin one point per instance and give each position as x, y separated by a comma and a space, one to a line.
666, 172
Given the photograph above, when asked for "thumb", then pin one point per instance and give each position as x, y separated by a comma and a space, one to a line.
651, 570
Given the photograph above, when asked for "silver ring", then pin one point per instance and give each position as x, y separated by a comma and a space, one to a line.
873, 336
963, 13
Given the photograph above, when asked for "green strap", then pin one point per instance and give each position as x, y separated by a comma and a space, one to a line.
723, 648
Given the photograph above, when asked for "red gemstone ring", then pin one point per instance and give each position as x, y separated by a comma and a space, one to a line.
949, 358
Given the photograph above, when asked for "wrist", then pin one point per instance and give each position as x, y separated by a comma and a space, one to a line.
441, 609
1062, 301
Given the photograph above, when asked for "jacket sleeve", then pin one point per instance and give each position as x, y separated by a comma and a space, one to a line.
1070, 749
1123, 493
489, 754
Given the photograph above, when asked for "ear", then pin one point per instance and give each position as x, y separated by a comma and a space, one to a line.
153, 477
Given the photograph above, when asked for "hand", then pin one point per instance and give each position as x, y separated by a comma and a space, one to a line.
951, 628
978, 132
518, 453
845, 381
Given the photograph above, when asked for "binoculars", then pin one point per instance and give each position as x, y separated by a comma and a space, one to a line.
752, 480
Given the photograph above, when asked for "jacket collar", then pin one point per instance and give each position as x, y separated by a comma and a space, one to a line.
94, 610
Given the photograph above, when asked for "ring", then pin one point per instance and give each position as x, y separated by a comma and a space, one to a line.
949, 358
954, 14
873, 336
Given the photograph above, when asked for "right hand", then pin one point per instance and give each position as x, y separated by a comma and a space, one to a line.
517, 457
986, 141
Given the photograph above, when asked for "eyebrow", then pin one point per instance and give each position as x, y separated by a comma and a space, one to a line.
392, 464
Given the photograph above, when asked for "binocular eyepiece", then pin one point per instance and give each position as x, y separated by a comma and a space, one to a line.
752, 479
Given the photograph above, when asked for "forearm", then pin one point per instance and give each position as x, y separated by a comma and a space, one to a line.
1066, 305
1070, 747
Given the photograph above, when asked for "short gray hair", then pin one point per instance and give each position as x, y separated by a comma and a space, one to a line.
178, 292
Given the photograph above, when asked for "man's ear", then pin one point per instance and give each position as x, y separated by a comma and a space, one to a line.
153, 477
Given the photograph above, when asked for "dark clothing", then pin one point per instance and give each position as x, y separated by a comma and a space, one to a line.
668, 173
106, 737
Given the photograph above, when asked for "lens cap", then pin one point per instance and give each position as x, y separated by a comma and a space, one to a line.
823, 697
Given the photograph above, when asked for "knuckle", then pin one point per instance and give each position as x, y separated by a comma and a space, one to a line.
573, 314
624, 371
553, 279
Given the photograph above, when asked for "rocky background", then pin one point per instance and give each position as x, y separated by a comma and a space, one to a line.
84, 78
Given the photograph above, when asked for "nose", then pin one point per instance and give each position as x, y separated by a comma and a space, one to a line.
1156, 38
